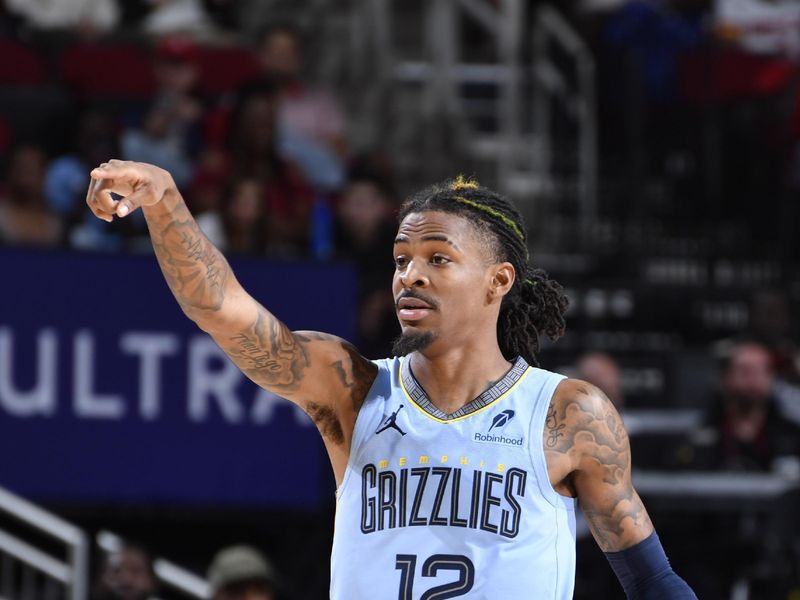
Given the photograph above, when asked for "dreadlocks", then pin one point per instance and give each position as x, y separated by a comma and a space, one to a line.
535, 304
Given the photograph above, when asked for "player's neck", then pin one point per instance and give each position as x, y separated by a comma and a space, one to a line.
459, 375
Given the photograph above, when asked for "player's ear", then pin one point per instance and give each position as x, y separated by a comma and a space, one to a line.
503, 277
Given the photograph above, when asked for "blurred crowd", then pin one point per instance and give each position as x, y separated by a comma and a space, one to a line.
750, 421
239, 572
718, 538
259, 152
700, 96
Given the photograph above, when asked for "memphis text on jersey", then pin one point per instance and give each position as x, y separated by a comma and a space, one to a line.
462, 496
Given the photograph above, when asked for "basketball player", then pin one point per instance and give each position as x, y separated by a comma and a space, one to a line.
459, 463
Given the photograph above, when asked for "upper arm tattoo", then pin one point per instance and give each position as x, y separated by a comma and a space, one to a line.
269, 353
555, 429
265, 350
356, 374
279, 360
588, 429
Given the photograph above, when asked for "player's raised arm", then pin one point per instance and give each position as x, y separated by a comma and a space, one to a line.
587, 446
320, 372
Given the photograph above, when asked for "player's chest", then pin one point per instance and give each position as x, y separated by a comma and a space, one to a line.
406, 436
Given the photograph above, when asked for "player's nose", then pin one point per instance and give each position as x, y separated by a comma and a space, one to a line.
414, 275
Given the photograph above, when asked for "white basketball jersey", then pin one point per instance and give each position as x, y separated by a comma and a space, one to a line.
436, 506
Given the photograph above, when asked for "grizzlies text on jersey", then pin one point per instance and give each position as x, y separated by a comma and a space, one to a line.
437, 506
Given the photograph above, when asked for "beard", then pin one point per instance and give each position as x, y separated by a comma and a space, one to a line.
411, 341
747, 404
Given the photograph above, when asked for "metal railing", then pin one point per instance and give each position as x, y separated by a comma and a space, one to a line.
518, 151
552, 29
170, 576
29, 572
416, 103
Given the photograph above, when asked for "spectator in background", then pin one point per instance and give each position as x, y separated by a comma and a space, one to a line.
24, 217
601, 370
154, 142
87, 17
65, 183
310, 129
127, 574
365, 227
310, 112
771, 325
243, 219
168, 17
287, 197
319, 165
206, 197
770, 27
364, 232
176, 70
242, 573
169, 135
744, 428
656, 35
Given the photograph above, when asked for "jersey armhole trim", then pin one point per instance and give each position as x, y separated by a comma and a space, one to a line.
536, 435
355, 441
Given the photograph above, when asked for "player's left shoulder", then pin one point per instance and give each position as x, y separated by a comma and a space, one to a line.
582, 420
577, 396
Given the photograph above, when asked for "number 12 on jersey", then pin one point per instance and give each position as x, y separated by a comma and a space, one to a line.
407, 565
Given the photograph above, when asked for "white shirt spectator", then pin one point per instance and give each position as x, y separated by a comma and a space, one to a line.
177, 16
100, 15
761, 27
312, 113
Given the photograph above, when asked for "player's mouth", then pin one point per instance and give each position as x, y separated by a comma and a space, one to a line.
411, 306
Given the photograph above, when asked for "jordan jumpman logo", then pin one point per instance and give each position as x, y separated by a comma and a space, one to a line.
391, 422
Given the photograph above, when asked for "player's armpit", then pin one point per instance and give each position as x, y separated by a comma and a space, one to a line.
584, 433
322, 373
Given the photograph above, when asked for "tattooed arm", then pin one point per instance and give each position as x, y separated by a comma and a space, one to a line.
321, 373
589, 457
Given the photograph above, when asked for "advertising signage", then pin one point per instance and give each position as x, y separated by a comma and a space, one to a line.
108, 393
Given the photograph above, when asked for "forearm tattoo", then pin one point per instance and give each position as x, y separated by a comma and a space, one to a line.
195, 270
589, 430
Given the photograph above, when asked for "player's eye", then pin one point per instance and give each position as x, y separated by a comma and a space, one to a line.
400, 261
438, 259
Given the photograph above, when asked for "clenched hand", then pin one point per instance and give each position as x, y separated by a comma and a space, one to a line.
139, 184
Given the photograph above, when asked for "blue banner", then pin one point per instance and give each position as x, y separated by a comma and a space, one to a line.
108, 393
